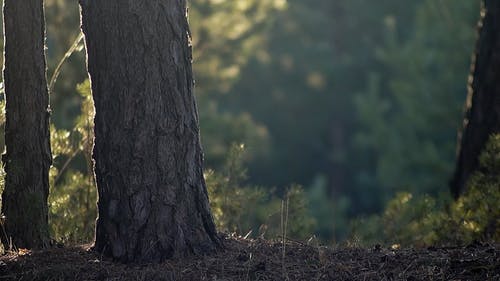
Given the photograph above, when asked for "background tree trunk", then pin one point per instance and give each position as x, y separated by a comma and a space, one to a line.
28, 158
483, 101
153, 202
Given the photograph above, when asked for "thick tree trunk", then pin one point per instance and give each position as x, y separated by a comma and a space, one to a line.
28, 158
153, 202
483, 102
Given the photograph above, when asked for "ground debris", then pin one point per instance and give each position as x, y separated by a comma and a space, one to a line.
258, 259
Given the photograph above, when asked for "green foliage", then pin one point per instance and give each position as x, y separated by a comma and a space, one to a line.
73, 210
72, 198
285, 87
230, 202
300, 223
225, 34
420, 220
410, 111
241, 209
331, 213
220, 130
476, 215
409, 220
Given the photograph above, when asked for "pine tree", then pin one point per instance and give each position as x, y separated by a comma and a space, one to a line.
483, 101
28, 157
153, 201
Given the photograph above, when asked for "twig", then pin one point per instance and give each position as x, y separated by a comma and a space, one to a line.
284, 223
65, 166
68, 53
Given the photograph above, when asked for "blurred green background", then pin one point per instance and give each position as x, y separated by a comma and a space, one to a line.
339, 115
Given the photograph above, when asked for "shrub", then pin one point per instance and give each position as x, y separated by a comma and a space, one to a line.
476, 214
242, 209
420, 220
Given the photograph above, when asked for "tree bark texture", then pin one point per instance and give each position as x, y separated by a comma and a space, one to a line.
153, 202
28, 157
483, 101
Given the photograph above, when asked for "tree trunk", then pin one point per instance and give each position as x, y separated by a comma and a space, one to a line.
153, 201
27, 158
483, 101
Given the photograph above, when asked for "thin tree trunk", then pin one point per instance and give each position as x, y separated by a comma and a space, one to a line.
153, 202
28, 157
483, 101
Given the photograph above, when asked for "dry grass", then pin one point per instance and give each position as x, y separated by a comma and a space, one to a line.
247, 259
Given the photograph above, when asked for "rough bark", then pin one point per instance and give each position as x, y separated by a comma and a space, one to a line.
153, 202
483, 101
28, 157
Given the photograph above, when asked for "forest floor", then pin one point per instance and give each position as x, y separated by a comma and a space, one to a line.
247, 259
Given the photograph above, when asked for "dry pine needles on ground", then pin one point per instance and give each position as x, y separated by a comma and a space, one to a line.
248, 259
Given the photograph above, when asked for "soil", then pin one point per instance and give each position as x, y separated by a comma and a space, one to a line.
258, 259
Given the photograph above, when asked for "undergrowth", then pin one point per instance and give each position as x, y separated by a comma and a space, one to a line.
425, 220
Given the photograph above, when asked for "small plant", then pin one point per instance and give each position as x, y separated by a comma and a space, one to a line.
250, 209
